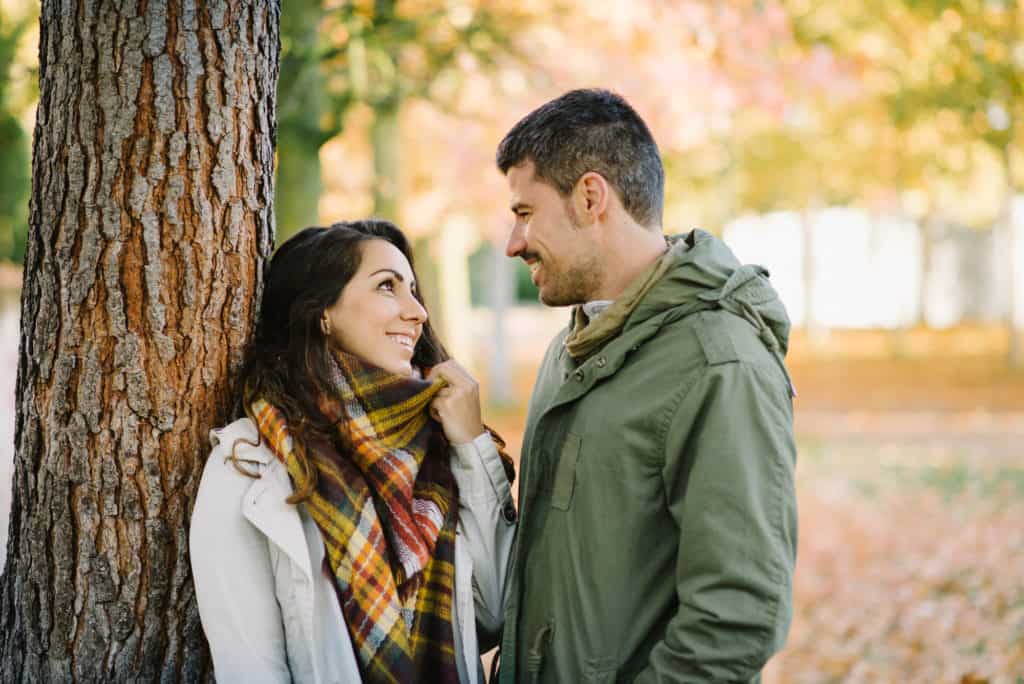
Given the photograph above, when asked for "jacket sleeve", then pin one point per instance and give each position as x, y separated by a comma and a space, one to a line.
234, 581
728, 478
487, 520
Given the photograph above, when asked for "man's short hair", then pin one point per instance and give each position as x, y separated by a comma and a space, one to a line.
591, 130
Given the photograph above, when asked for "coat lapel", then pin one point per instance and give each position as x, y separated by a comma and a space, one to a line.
265, 507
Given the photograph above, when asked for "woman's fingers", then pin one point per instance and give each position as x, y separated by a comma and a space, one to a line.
454, 374
457, 405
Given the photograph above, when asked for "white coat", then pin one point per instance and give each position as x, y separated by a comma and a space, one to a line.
270, 612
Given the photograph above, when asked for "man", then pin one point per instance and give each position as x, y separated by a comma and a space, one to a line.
657, 531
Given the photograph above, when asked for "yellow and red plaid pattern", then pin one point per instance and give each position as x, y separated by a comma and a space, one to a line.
384, 491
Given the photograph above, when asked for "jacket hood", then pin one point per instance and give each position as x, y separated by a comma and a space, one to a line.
705, 274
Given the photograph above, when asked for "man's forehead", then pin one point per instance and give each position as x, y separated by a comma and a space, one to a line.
523, 172
521, 180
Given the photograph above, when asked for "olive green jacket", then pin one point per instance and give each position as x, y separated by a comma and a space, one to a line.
658, 527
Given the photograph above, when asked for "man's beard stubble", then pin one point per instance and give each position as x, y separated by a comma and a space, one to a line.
575, 285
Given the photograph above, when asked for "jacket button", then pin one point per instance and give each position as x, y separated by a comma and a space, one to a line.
600, 362
509, 512
578, 375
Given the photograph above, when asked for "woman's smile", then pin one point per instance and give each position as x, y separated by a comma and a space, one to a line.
405, 341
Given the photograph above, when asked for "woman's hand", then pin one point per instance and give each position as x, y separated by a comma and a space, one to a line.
457, 405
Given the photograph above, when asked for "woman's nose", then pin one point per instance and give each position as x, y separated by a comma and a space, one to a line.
413, 310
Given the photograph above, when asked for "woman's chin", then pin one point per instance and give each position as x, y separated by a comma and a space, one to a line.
404, 368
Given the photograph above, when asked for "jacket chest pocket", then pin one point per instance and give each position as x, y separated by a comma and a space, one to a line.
565, 473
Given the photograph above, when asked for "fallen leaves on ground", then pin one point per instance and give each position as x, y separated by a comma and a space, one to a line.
904, 577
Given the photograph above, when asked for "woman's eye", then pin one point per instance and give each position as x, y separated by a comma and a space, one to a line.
388, 285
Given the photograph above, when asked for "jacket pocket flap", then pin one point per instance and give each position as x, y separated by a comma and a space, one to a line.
565, 475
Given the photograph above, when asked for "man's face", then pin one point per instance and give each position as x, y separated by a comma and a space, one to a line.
562, 256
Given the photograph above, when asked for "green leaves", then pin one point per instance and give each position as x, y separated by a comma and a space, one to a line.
14, 152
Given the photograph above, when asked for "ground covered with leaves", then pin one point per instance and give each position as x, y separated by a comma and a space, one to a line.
911, 492
911, 567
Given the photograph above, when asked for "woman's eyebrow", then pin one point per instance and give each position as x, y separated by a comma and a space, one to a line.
398, 276
393, 272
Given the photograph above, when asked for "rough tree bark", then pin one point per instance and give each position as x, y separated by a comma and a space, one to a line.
150, 219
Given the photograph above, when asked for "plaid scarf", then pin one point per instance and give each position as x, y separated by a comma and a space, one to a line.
387, 508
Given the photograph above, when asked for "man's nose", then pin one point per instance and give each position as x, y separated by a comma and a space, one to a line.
516, 245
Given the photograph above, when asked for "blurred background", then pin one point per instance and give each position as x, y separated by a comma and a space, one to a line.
868, 153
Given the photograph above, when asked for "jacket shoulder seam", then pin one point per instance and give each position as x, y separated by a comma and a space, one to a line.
671, 409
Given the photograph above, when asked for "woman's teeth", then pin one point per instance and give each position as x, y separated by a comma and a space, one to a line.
403, 340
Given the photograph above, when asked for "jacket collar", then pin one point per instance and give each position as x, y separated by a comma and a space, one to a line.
264, 502
698, 272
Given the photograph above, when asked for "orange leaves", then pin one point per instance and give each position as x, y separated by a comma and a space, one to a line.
900, 579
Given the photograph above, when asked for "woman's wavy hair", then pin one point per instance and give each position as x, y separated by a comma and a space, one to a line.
287, 363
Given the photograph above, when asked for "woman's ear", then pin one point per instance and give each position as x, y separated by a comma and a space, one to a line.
325, 325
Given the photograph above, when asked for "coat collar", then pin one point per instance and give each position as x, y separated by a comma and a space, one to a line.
264, 502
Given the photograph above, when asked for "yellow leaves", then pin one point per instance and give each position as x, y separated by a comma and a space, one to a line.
971, 678
979, 122
884, 82
873, 45
862, 134
996, 51
337, 33
951, 20
922, 139
460, 14
944, 74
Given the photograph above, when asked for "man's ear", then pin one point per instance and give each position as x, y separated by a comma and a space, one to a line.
590, 197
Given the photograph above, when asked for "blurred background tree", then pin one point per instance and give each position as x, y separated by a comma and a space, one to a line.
948, 74
14, 146
376, 53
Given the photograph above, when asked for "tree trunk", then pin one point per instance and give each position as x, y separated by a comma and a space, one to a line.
297, 198
1015, 355
500, 292
298, 186
929, 229
150, 221
814, 330
384, 134
429, 276
456, 244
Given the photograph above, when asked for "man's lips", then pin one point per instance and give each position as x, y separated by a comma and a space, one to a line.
533, 262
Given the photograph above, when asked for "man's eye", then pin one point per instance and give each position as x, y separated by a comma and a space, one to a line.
522, 215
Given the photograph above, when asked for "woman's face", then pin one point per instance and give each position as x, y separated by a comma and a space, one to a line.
376, 316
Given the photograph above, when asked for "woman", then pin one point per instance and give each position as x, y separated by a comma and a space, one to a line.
356, 523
